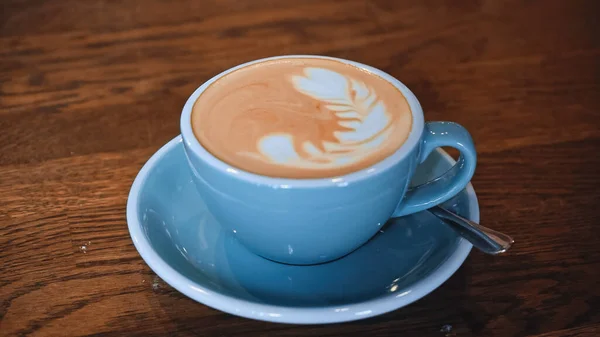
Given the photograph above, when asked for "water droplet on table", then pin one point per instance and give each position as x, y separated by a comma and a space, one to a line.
447, 330
84, 247
156, 283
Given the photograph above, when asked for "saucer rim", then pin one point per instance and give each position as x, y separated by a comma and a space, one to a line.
286, 314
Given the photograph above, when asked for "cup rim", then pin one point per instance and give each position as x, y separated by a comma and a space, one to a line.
414, 137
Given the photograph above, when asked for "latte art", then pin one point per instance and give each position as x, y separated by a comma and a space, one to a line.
362, 118
301, 118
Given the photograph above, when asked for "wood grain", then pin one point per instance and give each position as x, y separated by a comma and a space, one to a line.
90, 89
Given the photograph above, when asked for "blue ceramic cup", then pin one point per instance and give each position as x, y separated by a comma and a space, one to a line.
310, 221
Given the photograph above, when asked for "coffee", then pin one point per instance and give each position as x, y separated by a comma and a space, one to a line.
301, 118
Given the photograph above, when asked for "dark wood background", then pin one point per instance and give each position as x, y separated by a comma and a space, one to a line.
91, 88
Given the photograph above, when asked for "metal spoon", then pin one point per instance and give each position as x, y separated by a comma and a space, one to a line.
487, 240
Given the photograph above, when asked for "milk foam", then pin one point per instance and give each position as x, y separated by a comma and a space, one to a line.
301, 118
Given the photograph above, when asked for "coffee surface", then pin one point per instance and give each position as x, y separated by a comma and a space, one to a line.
301, 118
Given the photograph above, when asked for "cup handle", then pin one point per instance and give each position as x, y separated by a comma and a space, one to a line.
446, 186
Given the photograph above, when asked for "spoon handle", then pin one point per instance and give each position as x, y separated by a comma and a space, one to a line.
485, 239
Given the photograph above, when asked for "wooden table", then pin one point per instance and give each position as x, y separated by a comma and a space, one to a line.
90, 89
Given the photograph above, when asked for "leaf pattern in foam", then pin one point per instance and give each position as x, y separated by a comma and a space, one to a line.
324, 85
360, 111
279, 148
357, 108
371, 125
